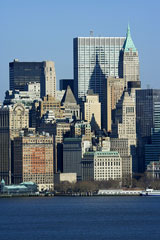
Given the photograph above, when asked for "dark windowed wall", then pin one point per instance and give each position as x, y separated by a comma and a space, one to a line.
147, 124
72, 156
21, 73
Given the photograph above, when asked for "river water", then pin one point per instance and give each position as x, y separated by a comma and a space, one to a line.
80, 218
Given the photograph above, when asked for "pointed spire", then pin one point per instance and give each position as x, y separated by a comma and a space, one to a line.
128, 31
129, 42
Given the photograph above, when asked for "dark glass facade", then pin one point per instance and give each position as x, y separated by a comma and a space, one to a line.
64, 83
72, 156
147, 123
21, 73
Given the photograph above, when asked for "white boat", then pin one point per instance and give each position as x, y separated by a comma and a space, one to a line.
150, 192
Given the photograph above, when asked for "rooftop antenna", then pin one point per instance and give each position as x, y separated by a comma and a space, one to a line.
91, 33
148, 86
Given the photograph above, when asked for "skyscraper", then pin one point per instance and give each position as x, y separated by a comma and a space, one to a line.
148, 125
12, 119
130, 60
124, 128
22, 73
113, 89
96, 58
33, 160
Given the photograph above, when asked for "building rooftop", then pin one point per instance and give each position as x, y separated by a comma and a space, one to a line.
103, 153
68, 97
72, 139
129, 42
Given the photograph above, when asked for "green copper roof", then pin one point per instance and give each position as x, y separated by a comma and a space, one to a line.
129, 42
2, 182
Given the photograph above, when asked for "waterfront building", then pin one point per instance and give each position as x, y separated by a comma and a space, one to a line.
92, 106
13, 119
64, 83
65, 177
147, 126
130, 60
22, 73
153, 169
72, 155
24, 188
152, 149
33, 160
71, 108
101, 165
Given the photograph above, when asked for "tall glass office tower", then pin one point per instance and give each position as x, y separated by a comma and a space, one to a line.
96, 58
148, 126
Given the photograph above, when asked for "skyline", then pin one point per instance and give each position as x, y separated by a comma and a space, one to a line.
36, 32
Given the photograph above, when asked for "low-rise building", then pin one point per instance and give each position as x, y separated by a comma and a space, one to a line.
101, 165
153, 169
25, 188
65, 177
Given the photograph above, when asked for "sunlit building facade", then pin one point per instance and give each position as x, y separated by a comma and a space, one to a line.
96, 58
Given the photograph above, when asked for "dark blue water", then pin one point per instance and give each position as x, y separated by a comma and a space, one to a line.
67, 218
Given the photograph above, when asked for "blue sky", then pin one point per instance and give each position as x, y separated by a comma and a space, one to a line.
37, 30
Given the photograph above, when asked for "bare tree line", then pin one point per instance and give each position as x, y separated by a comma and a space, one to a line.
141, 181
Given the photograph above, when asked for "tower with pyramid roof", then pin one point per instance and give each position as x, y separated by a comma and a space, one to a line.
72, 109
130, 60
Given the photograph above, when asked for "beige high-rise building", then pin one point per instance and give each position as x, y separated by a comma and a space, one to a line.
130, 60
92, 106
12, 119
113, 90
124, 125
122, 146
33, 160
124, 129
50, 78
